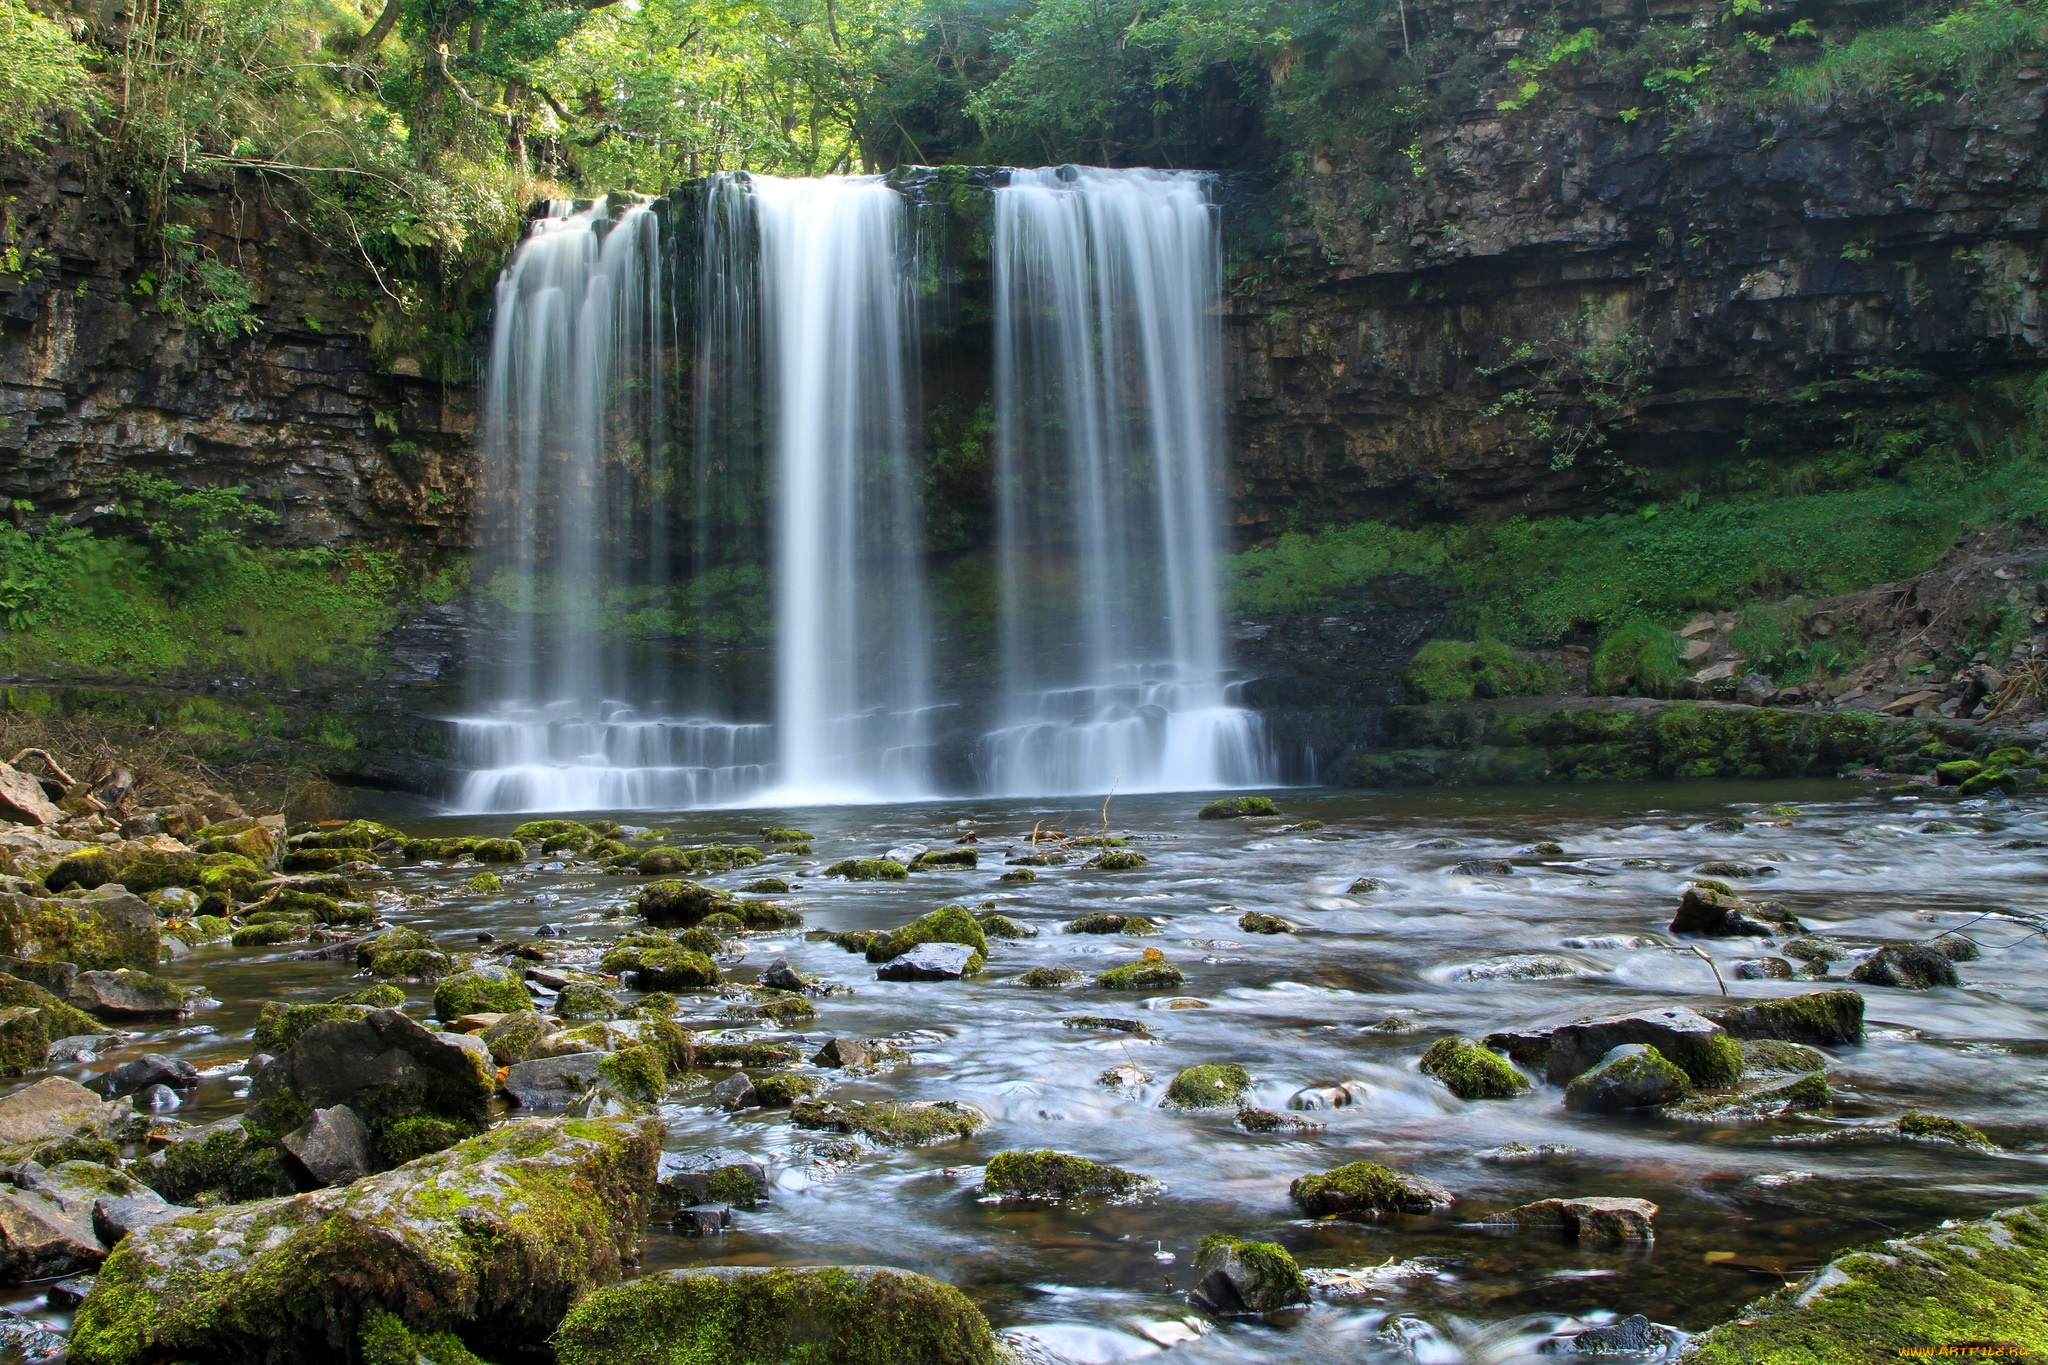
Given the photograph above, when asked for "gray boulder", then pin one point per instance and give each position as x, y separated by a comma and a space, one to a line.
1234, 1276
128, 994
1910, 966
47, 1229
1634, 1336
152, 1068
387, 1064
784, 977
1591, 1219
734, 1093
1676, 1032
115, 1216
850, 1054
929, 962
1707, 912
54, 1107
332, 1147
552, 1082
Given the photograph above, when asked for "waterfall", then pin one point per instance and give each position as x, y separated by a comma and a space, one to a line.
1108, 440
575, 555
852, 686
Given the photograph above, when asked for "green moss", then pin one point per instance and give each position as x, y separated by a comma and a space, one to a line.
583, 1000
766, 886
1638, 658
379, 997
784, 1009
1151, 973
639, 1072
659, 964
1710, 1064
1645, 1066
61, 1020
387, 1341
485, 884
279, 1025
409, 1139
498, 851
765, 915
1118, 860
777, 835
479, 993
314, 859
781, 1089
1983, 1281
682, 903
97, 933
267, 935
1238, 808
356, 834
1041, 978
757, 1316
1361, 1187
230, 1163
1018, 876
1267, 1265
1941, 1128
1130, 1026
1472, 1072
891, 1122
1823, 1018
868, 870
662, 862
1109, 922
947, 924
1209, 1086
1459, 670
1954, 774
950, 857
1048, 1174
1764, 1055
24, 1041
556, 836
86, 867
1259, 922
755, 1053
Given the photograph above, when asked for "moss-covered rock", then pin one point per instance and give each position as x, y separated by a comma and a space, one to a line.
24, 1040
1109, 922
1042, 978
556, 836
1708, 909
585, 1000
868, 870
1259, 922
1050, 1175
945, 857
382, 996
767, 886
1823, 1018
493, 1239
947, 924
763, 916
1459, 670
60, 1019
1152, 972
1632, 1076
1978, 1281
406, 954
1238, 808
1118, 860
1208, 1086
1908, 966
223, 1162
639, 1072
682, 904
759, 1315
386, 1340
660, 964
775, 834
1365, 1187
279, 1025
387, 1067
513, 1036
1472, 1072
314, 859
1941, 1128
1234, 1276
356, 834
497, 850
665, 862
892, 1123
781, 1089
997, 925
99, 932
486, 988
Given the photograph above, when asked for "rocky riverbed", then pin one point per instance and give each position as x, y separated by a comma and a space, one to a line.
1460, 1076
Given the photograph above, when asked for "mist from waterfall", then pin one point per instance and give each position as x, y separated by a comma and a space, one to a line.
852, 659
1108, 396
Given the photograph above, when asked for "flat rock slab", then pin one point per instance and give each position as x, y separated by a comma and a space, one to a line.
552, 1082
23, 800
1592, 1219
128, 994
42, 1235
53, 1107
929, 962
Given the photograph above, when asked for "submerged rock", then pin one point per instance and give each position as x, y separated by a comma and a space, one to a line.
1961, 1282
1594, 1219
1633, 1336
495, 1237
824, 1315
1233, 1276
1774, 1097
1941, 1128
1367, 1187
1632, 1076
1050, 1175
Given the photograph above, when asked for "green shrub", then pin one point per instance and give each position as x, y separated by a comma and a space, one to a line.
1460, 670
1638, 659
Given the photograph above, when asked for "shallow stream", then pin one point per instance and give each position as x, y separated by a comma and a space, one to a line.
1742, 1208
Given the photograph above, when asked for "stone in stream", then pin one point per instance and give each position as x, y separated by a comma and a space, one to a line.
930, 962
46, 1217
1054, 1176
836, 1315
1233, 1276
493, 1238
151, 1068
1364, 1187
1632, 1076
54, 1107
157, 1099
1698, 1045
551, 1082
850, 1054
1634, 1336
418, 1090
1484, 867
128, 994
744, 1183
1822, 1018
1711, 910
106, 929
1470, 1071
1592, 1219
783, 977
513, 1035
1910, 966
734, 1093
332, 1147
702, 1220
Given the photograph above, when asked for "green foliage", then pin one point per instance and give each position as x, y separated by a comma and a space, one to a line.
1919, 61
1459, 670
41, 70
1639, 659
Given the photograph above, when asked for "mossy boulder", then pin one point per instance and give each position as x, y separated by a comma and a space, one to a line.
1980, 1281
1695, 1043
1365, 1187
1259, 922
61, 1020
891, 1122
356, 834
682, 904
556, 836
1907, 966
98, 932
1238, 808
250, 838
225, 1162
660, 964
497, 850
1152, 972
405, 954
486, 988
24, 1040
781, 1089
584, 1000
1471, 1072
765, 916
1632, 1076
1710, 910
1941, 1128
1043, 978
386, 1340
945, 857
84, 867
1050, 1175
492, 1239
1109, 922
314, 859
279, 1025
1118, 860
1823, 1018
1460, 670
947, 924
762, 1315
386, 1066
1234, 1276
868, 870
1208, 1086
639, 1072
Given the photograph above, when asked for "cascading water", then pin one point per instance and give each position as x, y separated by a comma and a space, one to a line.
575, 520
1108, 433
852, 686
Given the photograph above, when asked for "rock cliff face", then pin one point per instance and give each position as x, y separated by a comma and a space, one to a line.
97, 378
1743, 281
